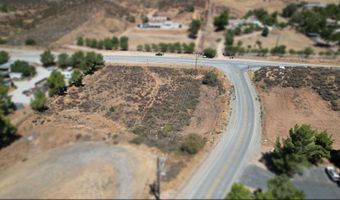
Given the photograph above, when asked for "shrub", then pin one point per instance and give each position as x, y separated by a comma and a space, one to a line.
124, 43
222, 20
64, 60
39, 101
265, 31
4, 57
76, 78
279, 50
23, 67
108, 44
77, 58
192, 143
47, 58
6, 105
209, 52
239, 191
194, 27
3, 41
140, 47
210, 78
56, 84
7, 131
115, 42
147, 47
80, 41
30, 42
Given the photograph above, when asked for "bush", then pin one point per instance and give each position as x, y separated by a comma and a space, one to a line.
80, 41
64, 60
209, 52
194, 27
265, 31
115, 42
124, 43
279, 50
77, 58
108, 44
56, 84
47, 58
239, 191
192, 143
6, 105
140, 47
4, 57
24, 68
6, 7
7, 131
76, 78
308, 51
39, 101
3, 41
147, 47
30, 42
222, 20
210, 78
92, 61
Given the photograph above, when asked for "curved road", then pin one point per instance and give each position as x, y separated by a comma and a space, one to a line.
240, 139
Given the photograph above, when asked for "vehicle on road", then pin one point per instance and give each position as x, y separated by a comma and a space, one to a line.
159, 54
332, 173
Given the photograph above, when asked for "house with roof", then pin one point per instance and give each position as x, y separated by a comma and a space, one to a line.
160, 22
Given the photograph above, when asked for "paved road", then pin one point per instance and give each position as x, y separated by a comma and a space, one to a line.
314, 182
241, 137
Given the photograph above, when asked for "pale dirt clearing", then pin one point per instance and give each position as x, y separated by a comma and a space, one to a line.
285, 107
82, 170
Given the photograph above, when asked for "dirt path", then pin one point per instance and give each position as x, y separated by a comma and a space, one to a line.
82, 170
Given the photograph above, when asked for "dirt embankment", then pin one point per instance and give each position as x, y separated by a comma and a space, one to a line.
154, 107
298, 96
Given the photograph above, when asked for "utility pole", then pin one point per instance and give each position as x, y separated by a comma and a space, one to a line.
158, 183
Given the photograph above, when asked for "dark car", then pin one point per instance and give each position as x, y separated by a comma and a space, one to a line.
159, 54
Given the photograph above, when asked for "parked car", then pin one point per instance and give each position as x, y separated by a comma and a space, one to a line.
332, 173
159, 54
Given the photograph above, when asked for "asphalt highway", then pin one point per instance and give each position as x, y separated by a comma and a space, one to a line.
241, 137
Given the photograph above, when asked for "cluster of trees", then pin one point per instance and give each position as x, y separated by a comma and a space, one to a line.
279, 187
263, 16
4, 57
168, 47
194, 27
6, 7
113, 43
315, 20
24, 68
221, 20
7, 130
304, 147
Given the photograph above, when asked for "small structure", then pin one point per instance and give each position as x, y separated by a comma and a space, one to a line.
160, 22
5, 69
234, 23
312, 5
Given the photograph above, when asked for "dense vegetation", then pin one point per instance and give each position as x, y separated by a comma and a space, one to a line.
6, 7
279, 187
192, 143
263, 16
168, 47
209, 52
47, 58
303, 147
113, 43
56, 84
24, 68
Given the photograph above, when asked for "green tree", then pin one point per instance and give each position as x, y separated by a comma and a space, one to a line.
30, 42
80, 41
308, 51
282, 188
39, 101
108, 44
265, 31
6, 105
47, 58
115, 42
239, 191
209, 52
76, 78
194, 27
229, 38
325, 140
93, 43
147, 47
259, 195
56, 84
4, 57
289, 10
100, 44
23, 67
7, 131
77, 58
64, 60
192, 143
124, 43
92, 61
139, 47
178, 47
222, 20
278, 50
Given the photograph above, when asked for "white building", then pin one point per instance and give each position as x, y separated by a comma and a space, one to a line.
160, 22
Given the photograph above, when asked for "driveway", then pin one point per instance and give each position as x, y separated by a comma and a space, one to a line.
314, 182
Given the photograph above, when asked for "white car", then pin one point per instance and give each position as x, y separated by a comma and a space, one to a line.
332, 173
